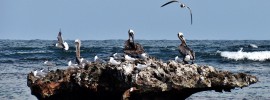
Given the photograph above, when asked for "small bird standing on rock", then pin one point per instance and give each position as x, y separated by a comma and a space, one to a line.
49, 64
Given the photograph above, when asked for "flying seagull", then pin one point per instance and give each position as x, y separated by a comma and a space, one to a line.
182, 5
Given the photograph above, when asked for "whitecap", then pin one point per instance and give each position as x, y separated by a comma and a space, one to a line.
253, 45
241, 55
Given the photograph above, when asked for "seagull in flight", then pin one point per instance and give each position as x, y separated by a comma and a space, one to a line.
182, 5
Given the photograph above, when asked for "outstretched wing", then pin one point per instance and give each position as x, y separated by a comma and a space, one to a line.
59, 37
169, 3
190, 13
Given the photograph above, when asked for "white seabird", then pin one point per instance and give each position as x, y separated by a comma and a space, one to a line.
118, 56
99, 60
70, 65
114, 62
141, 66
49, 64
182, 5
39, 74
128, 58
144, 56
177, 59
61, 43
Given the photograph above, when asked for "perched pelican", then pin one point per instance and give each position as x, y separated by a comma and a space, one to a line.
114, 62
61, 43
131, 47
182, 5
79, 59
186, 52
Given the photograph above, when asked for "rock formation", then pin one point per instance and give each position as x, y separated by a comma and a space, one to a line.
158, 80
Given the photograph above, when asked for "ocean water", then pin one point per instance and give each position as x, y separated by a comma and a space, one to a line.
19, 57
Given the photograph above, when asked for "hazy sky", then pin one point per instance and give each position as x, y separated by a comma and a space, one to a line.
111, 19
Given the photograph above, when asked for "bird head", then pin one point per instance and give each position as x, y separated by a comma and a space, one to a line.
131, 34
78, 43
182, 5
181, 36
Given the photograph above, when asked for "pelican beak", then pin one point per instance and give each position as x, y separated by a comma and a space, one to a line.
132, 35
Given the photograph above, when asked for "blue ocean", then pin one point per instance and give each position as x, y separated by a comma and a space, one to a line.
20, 57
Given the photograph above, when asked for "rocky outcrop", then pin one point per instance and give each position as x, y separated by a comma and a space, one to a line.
134, 81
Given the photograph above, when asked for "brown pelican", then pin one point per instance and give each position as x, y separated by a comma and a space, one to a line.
61, 43
186, 52
79, 59
131, 47
182, 5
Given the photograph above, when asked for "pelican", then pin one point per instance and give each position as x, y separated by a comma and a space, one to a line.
131, 47
61, 43
186, 52
182, 5
79, 59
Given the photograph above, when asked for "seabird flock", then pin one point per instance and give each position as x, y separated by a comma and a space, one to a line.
132, 51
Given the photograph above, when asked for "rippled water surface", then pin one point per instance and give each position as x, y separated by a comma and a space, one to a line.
19, 57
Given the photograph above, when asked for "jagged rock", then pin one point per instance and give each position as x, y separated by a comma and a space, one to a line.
158, 80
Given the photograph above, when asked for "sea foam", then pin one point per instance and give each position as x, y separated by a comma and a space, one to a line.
240, 55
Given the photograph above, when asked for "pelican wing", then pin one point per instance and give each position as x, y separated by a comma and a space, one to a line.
193, 55
169, 3
190, 13
185, 50
60, 39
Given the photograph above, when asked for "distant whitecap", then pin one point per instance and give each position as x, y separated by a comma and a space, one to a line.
241, 55
253, 45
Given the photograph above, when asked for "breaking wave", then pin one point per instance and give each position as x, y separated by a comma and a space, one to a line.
241, 55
